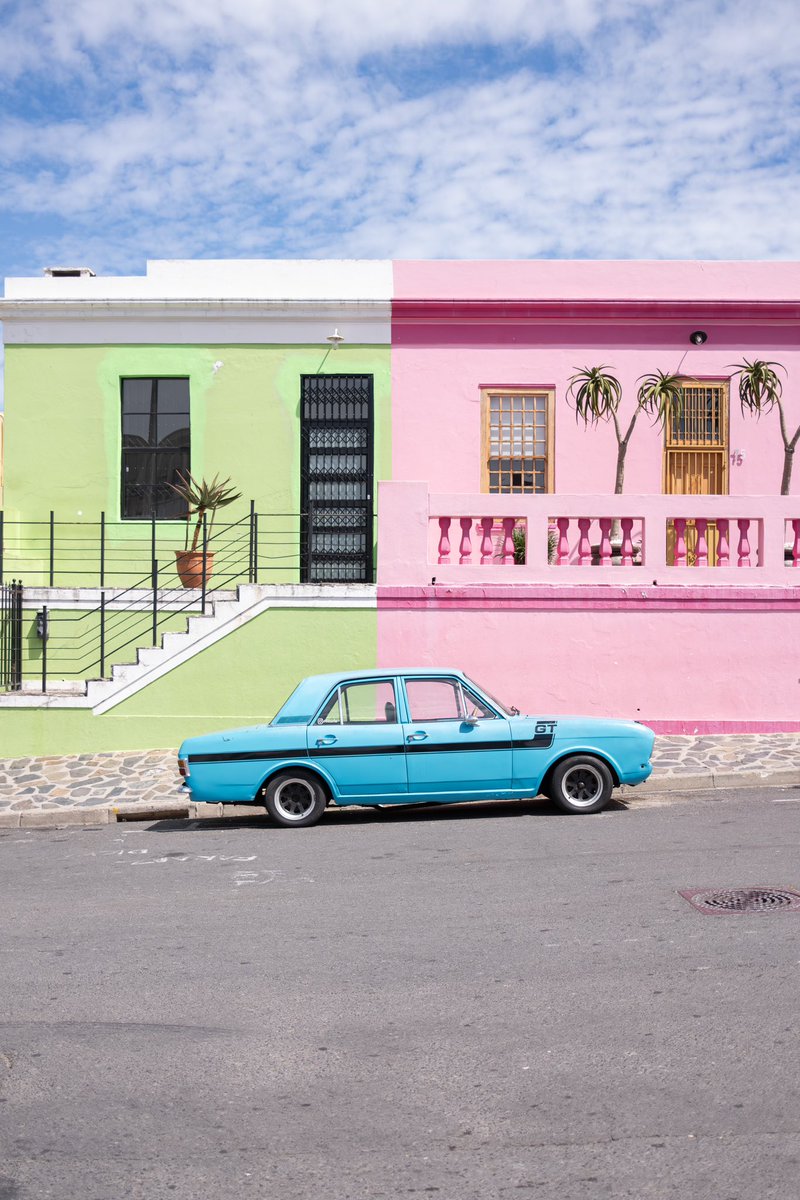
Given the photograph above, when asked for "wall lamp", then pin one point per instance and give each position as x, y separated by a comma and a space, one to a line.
699, 337
335, 339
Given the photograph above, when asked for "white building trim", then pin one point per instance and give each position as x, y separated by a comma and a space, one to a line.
194, 322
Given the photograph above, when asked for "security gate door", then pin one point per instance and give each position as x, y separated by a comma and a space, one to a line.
336, 470
696, 456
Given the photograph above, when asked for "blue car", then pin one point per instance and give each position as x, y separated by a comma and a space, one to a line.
410, 737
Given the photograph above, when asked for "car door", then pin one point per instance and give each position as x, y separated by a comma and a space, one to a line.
532, 739
457, 746
358, 740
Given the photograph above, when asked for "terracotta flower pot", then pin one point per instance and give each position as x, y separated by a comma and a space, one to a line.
189, 565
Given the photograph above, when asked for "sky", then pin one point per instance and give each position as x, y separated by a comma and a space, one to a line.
396, 128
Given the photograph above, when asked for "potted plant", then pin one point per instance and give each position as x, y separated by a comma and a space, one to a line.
201, 498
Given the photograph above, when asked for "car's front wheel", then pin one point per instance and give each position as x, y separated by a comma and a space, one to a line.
295, 798
581, 784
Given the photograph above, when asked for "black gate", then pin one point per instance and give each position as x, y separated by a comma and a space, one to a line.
336, 471
10, 637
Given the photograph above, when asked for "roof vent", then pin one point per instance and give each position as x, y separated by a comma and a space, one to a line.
69, 272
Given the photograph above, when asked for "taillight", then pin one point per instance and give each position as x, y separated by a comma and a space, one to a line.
183, 767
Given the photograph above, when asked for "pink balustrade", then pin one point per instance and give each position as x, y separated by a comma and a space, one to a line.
551, 538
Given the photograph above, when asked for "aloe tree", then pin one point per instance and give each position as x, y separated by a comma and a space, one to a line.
760, 391
597, 396
660, 395
201, 498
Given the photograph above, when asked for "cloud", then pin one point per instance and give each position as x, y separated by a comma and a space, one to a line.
597, 128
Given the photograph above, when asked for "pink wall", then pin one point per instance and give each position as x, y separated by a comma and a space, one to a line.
685, 669
634, 317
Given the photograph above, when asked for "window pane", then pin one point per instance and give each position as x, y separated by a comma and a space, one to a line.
434, 700
136, 394
173, 395
476, 708
369, 703
330, 713
173, 428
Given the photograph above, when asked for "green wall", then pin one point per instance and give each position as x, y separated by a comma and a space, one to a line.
241, 680
63, 437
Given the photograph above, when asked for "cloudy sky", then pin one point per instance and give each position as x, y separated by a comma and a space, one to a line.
397, 128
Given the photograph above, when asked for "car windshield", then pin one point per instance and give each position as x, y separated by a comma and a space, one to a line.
504, 708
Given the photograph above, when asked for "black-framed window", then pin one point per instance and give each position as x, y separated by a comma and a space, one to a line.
155, 447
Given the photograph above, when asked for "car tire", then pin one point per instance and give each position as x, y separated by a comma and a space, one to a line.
295, 798
581, 784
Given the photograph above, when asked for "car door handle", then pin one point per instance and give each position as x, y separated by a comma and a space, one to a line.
328, 740
419, 736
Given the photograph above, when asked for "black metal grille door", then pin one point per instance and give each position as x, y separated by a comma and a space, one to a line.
10, 637
336, 478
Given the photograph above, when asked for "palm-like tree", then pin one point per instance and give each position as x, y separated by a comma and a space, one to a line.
597, 395
760, 391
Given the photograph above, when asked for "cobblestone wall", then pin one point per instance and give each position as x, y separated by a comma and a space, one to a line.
151, 777
88, 780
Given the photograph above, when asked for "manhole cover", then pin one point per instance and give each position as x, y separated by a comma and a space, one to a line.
730, 901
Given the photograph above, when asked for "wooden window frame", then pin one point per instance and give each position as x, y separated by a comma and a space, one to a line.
486, 395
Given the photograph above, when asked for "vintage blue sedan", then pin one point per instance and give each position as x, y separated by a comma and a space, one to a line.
410, 737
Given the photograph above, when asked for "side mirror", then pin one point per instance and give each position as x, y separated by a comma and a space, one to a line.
471, 721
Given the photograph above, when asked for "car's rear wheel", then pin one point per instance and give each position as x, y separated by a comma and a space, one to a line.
581, 784
295, 798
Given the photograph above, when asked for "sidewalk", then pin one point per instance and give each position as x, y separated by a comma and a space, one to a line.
86, 789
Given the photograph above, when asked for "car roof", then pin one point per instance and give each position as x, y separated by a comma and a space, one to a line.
308, 695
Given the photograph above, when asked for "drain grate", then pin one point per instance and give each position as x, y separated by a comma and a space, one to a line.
733, 901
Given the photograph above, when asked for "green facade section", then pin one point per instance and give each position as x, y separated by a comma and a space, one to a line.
63, 440
241, 680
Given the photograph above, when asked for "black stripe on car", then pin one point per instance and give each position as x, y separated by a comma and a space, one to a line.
539, 741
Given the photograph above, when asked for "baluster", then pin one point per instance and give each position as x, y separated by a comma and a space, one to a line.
562, 548
680, 541
605, 541
487, 546
465, 549
723, 549
744, 542
796, 543
627, 541
508, 540
444, 539
701, 555
584, 546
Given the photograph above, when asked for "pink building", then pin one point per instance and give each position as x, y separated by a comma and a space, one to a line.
501, 545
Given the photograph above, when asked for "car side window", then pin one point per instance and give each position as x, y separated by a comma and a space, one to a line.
368, 703
476, 709
330, 713
434, 700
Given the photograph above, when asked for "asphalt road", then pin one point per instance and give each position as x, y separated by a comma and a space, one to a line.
468, 1003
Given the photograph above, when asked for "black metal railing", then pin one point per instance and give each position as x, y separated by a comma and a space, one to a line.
11, 636
265, 547
136, 607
